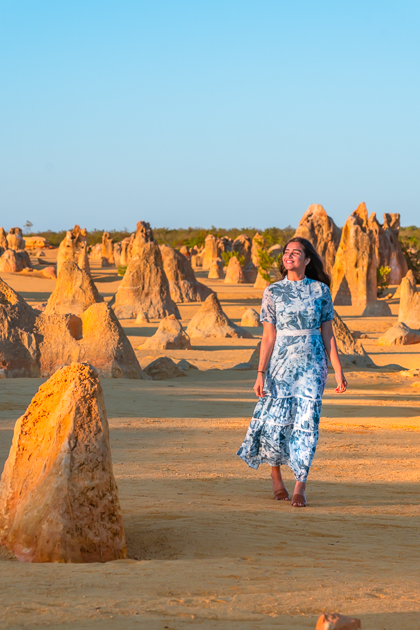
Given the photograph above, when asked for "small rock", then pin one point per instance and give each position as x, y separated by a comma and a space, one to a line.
377, 308
335, 621
399, 335
250, 318
49, 272
186, 365
142, 318
163, 368
169, 335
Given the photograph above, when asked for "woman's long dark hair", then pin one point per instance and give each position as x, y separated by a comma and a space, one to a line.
315, 268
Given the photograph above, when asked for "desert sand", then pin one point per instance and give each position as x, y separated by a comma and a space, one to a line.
208, 547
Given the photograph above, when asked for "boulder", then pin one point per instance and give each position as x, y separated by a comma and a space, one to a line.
36, 242
217, 269
163, 369
243, 245
379, 308
58, 496
399, 335
19, 352
145, 287
354, 274
183, 285
211, 321
210, 251
409, 311
250, 273
350, 350
107, 250
15, 239
335, 621
169, 335
96, 336
234, 272
14, 261
250, 318
74, 292
74, 247
318, 228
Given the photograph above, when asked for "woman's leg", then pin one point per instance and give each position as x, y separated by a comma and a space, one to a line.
279, 488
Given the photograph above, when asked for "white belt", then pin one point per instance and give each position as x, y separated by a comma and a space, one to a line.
289, 332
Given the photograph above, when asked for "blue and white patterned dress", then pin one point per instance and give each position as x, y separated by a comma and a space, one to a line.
284, 427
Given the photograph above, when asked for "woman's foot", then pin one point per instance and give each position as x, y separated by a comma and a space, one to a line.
279, 489
299, 496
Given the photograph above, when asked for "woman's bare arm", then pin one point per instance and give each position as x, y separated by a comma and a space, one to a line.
330, 345
267, 344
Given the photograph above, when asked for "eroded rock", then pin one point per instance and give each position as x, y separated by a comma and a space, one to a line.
183, 285
320, 230
234, 272
399, 335
74, 247
217, 269
210, 251
243, 245
169, 335
350, 350
250, 318
379, 308
74, 292
58, 496
409, 311
14, 261
107, 250
163, 369
15, 239
211, 321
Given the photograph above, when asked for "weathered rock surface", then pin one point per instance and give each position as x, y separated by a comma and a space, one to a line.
409, 311
183, 284
186, 366
257, 244
74, 247
354, 273
234, 272
250, 318
96, 252
217, 269
145, 287
350, 350
49, 272
211, 321
96, 336
142, 318
318, 228
379, 308
335, 621
125, 255
250, 273
58, 496
74, 292
169, 335
388, 248
14, 261
107, 250
210, 251
36, 242
15, 239
143, 235
243, 245
399, 335
3, 240
163, 369
19, 353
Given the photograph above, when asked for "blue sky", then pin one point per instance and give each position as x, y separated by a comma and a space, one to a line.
206, 112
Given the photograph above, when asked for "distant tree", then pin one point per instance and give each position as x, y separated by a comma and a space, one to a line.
27, 227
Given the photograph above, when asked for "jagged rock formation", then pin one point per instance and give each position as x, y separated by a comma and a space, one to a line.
183, 285
211, 321
169, 335
145, 287
19, 353
234, 272
399, 335
58, 496
125, 255
350, 350
74, 247
243, 245
388, 248
409, 312
15, 239
318, 228
217, 269
14, 261
250, 318
377, 309
74, 292
96, 336
354, 273
210, 251
107, 250
143, 235
163, 368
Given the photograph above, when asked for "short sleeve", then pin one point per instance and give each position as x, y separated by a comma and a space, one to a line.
327, 308
268, 309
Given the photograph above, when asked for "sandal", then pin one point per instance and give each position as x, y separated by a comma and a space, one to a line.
298, 498
282, 495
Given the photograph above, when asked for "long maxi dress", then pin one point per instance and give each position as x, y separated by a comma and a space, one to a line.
284, 427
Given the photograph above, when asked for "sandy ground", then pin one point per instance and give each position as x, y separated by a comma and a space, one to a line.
208, 545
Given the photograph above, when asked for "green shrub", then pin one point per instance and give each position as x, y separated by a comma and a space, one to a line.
382, 278
122, 269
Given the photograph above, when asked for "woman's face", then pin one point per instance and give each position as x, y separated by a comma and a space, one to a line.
294, 258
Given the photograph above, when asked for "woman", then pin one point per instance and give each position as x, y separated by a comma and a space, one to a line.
297, 314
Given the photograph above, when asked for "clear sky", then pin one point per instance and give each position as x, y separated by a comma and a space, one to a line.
207, 112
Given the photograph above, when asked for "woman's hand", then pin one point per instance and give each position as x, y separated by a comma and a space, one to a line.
341, 382
259, 385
